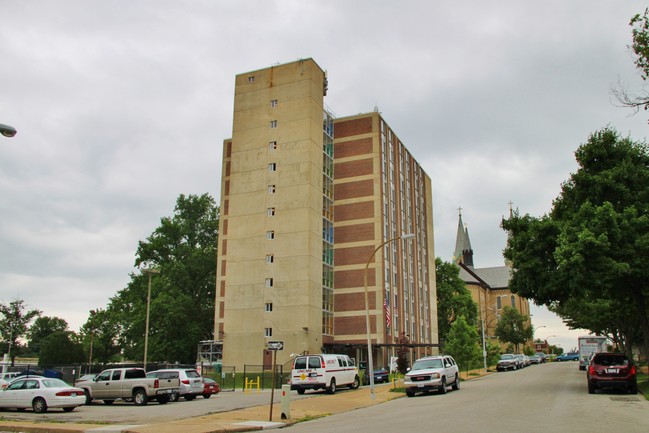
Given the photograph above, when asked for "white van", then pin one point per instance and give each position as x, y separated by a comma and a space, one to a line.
324, 371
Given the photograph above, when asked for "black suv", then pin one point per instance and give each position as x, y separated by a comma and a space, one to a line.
612, 370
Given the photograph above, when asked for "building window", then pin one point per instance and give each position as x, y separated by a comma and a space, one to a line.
498, 303
270, 259
273, 123
270, 235
268, 332
270, 211
269, 282
273, 103
271, 189
513, 300
272, 145
251, 79
272, 166
269, 307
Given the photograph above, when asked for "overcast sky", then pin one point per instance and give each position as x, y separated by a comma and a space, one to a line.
122, 105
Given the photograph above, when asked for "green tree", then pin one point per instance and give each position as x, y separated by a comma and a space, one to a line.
511, 328
60, 348
183, 248
453, 299
42, 328
593, 244
463, 343
14, 325
100, 337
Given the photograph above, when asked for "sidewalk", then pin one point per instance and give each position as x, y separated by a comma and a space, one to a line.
241, 420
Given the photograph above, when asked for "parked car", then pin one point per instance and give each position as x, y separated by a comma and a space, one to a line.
381, 375
432, 372
85, 378
191, 382
507, 361
521, 363
128, 384
611, 370
41, 394
9, 376
210, 387
535, 359
572, 356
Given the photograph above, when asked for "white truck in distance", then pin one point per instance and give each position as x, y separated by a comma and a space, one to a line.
587, 346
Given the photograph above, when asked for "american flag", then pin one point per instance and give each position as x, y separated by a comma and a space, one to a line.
388, 318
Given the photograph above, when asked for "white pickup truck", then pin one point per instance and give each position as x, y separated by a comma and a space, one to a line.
129, 384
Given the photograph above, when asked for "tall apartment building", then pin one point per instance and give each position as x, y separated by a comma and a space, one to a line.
381, 194
280, 240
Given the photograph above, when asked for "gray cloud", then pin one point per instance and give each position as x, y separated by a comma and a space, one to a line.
121, 106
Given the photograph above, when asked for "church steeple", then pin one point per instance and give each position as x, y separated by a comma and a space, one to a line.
463, 251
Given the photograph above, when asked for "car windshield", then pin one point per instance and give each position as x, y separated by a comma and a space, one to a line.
423, 364
54, 383
506, 356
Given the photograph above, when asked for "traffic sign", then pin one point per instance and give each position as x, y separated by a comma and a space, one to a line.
275, 345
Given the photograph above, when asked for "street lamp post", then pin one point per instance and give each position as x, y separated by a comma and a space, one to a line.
149, 272
92, 337
370, 362
7, 131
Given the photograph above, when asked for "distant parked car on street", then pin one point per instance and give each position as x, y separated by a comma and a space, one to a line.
572, 356
381, 375
535, 359
507, 361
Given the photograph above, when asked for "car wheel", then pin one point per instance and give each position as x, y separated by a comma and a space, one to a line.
633, 387
356, 383
332, 387
88, 398
442, 389
300, 391
69, 408
174, 397
140, 398
189, 397
109, 402
163, 399
410, 393
456, 384
207, 395
591, 387
39, 405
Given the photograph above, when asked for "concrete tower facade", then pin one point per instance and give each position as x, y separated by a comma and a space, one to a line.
274, 278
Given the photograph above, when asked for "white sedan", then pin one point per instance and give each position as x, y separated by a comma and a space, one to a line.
41, 393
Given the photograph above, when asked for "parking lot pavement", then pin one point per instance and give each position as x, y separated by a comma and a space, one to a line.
312, 405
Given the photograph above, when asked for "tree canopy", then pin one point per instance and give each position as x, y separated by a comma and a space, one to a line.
453, 298
586, 259
511, 327
463, 342
183, 249
14, 325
